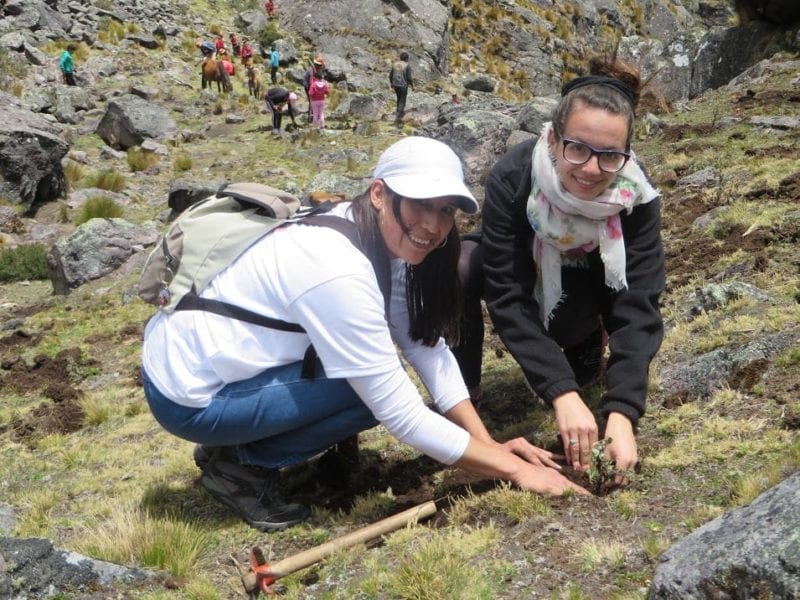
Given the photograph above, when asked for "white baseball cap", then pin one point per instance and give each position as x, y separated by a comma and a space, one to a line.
420, 167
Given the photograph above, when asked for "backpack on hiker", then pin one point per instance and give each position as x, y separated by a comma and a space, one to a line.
399, 74
213, 233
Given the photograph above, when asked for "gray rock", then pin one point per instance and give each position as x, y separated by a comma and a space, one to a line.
749, 552
129, 120
704, 178
93, 250
145, 92
43, 571
479, 83
30, 160
716, 295
143, 40
533, 115
698, 376
776, 122
184, 193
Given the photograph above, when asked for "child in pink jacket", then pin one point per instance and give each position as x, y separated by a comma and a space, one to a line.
317, 93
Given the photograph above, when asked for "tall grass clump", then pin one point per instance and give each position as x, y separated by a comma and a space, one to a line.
98, 207
139, 160
110, 31
132, 535
107, 179
12, 70
182, 162
23, 263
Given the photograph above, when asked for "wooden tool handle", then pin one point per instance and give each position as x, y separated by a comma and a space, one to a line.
309, 557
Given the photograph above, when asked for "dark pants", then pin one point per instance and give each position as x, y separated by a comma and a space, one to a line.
402, 94
69, 78
273, 74
277, 113
575, 319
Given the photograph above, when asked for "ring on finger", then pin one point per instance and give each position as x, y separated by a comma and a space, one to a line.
573, 442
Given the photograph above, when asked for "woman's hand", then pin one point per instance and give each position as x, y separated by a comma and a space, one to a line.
532, 454
622, 449
545, 480
578, 429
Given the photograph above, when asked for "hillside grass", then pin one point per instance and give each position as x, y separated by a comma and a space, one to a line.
124, 490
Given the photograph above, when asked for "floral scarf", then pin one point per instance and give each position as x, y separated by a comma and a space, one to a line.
564, 224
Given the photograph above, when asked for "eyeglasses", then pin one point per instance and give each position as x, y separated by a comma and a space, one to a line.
579, 153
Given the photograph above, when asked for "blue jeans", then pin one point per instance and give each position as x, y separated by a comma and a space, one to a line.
275, 419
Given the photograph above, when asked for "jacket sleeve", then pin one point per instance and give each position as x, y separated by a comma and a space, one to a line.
632, 317
510, 276
409, 80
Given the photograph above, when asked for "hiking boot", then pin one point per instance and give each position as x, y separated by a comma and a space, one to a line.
586, 358
205, 455
260, 506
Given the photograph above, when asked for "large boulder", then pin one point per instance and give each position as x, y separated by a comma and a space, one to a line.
749, 552
30, 158
129, 120
95, 249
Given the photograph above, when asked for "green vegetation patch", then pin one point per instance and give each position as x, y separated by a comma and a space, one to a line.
23, 263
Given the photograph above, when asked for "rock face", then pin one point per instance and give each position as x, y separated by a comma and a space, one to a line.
95, 249
42, 571
750, 552
30, 158
129, 120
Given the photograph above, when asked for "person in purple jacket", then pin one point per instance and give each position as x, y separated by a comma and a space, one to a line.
569, 260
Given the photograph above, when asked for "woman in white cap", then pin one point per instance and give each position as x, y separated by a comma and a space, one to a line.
239, 389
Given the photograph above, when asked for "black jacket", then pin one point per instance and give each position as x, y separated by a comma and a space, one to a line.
630, 316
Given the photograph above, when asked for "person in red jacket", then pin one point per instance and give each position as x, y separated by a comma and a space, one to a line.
235, 45
246, 53
227, 64
269, 6
219, 44
569, 259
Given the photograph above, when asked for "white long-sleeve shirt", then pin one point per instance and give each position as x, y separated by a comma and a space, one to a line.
315, 277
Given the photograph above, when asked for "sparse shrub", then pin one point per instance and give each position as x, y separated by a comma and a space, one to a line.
74, 172
110, 31
268, 34
107, 179
139, 160
12, 69
182, 162
132, 28
23, 263
98, 207
215, 29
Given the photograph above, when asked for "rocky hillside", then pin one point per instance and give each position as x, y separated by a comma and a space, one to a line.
86, 470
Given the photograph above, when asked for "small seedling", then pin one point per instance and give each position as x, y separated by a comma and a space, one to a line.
602, 469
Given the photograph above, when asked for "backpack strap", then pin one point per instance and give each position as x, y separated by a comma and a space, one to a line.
317, 217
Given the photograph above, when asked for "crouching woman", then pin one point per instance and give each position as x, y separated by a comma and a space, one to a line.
239, 390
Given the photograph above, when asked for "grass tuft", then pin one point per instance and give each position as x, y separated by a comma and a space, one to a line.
131, 535
107, 179
98, 207
23, 263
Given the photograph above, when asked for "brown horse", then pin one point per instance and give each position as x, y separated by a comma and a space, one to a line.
254, 82
213, 70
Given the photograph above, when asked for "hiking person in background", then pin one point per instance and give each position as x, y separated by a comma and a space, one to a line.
570, 257
207, 49
277, 98
237, 389
219, 44
246, 53
400, 80
274, 63
235, 46
67, 65
269, 7
318, 91
313, 72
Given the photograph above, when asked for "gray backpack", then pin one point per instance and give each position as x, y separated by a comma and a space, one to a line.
399, 74
213, 233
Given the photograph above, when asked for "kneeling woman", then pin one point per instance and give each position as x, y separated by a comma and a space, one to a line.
238, 389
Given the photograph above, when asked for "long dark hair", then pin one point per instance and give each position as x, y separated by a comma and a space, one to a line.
433, 291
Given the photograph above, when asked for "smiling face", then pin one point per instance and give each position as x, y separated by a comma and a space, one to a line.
427, 223
599, 129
